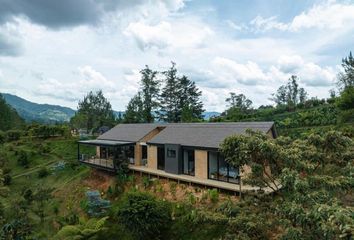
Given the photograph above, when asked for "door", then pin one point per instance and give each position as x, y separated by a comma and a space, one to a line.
161, 158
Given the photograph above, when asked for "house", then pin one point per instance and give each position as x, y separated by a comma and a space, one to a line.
185, 152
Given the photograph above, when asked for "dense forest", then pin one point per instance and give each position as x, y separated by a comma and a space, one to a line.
47, 194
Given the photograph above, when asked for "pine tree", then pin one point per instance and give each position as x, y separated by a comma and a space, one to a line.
190, 101
170, 102
180, 96
150, 93
134, 111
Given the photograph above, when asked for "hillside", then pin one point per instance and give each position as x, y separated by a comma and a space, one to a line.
43, 113
9, 119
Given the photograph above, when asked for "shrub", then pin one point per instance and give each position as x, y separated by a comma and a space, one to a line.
7, 179
43, 172
22, 159
13, 135
144, 215
27, 195
2, 137
213, 195
146, 182
173, 189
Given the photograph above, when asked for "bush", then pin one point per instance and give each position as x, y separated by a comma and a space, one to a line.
7, 179
144, 215
213, 195
22, 159
2, 137
13, 135
43, 172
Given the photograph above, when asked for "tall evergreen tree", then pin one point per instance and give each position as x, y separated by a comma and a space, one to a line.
150, 93
134, 112
189, 101
169, 104
180, 98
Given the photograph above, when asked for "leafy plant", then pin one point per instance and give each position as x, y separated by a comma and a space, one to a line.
144, 215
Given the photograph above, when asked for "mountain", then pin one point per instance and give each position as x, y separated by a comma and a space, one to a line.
43, 113
9, 118
208, 115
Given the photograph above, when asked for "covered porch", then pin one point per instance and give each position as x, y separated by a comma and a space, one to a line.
105, 154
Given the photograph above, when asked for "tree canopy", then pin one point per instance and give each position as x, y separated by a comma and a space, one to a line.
93, 112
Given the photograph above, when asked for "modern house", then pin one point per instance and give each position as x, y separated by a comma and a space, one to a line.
185, 152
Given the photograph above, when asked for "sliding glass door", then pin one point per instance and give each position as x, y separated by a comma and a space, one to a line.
188, 163
219, 169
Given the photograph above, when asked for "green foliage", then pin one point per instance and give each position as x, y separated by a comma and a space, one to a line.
346, 78
135, 110
23, 159
9, 119
179, 95
7, 179
346, 99
2, 137
213, 195
93, 112
13, 135
86, 230
46, 131
144, 215
43, 172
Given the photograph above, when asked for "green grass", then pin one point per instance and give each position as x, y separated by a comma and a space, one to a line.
27, 178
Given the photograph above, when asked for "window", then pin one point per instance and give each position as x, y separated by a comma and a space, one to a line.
188, 162
171, 153
219, 169
161, 158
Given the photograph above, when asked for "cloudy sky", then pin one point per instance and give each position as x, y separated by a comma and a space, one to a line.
56, 51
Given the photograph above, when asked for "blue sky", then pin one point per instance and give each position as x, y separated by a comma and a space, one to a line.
56, 51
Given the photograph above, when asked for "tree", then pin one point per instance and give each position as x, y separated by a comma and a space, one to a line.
290, 94
150, 93
134, 112
238, 101
169, 99
346, 78
94, 111
144, 215
346, 99
9, 119
257, 151
315, 175
190, 105
41, 197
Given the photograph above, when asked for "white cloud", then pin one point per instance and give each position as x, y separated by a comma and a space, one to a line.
328, 15
185, 33
265, 24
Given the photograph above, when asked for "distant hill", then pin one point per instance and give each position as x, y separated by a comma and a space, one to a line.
9, 118
43, 113
47, 113
208, 115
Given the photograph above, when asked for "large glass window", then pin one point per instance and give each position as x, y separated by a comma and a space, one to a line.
219, 169
188, 162
213, 165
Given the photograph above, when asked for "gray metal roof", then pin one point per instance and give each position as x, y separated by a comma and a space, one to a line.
105, 142
129, 132
209, 135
